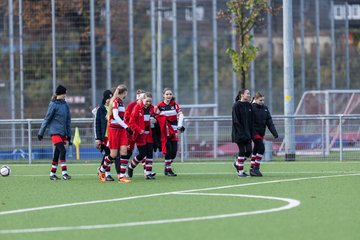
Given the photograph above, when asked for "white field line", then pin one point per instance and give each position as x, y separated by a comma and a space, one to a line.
291, 204
168, 193
269, 182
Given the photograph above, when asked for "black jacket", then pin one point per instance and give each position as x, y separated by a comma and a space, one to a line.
262, 119
242, 122
100, 123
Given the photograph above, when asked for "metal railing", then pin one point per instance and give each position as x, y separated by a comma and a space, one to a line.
317, 137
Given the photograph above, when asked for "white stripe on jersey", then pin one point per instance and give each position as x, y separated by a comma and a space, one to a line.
121, 109
169, 113
113, 121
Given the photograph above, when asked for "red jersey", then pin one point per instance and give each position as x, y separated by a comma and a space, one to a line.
128, 111
170, 111
140, 120
119, 105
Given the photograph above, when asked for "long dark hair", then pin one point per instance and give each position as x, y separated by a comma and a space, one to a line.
241, 92
169, 89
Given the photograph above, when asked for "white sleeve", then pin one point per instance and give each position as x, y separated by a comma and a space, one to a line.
181, 120
118, 119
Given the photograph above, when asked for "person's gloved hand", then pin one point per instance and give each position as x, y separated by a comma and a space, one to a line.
130, 132
181, 129
40, 137
68, 138
98, 143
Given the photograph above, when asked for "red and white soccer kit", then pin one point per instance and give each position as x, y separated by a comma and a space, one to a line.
140, 124
170, 111
129, 108
116, 126
140, 120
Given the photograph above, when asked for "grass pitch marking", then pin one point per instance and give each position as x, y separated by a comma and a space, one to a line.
291, 204
168, 193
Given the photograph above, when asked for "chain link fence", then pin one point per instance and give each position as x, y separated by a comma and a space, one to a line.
329, 138
90, 46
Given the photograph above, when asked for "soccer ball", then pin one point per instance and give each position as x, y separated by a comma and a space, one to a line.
5, 171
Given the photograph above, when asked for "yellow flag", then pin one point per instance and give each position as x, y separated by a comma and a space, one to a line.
77, 142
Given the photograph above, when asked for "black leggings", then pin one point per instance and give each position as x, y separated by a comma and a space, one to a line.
145, 151
171, 149
59, 151
258, 146
244, 149
106, 152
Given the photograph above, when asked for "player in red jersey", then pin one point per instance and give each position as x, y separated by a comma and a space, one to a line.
140, 119
117, 134
171, 120
131, 143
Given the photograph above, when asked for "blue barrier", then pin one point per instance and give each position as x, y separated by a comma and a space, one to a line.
87, 153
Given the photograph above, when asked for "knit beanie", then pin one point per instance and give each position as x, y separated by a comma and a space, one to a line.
106, 95
60, 90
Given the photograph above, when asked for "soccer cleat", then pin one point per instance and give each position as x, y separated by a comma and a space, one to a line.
243, 174
124, 180
109, 178
153, 174
66, 176
54, 178
255, 172
234, 164
102, 176
150, 177
130, 172
170, 173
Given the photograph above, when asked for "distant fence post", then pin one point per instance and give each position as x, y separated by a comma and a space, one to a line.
268, 150
29, 141
341, 137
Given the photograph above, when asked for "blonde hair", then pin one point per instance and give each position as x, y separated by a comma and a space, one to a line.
119, 90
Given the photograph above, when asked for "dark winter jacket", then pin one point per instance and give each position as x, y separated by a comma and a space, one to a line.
100, 123
242, 122
262, 119
58, 119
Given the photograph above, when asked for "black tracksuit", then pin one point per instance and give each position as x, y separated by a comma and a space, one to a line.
100, 128
101, 123
262, 119
242, 127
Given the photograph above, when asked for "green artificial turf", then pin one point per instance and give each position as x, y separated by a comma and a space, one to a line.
172, 208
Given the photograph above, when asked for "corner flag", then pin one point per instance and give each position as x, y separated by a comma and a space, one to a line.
77, 142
